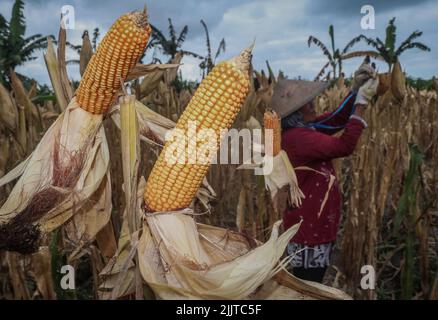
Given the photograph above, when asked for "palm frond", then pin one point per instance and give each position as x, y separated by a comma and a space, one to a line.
96, 35
339, 60
3, 23
193, 54
182, 36
332, 37
158, 36
322, 71
371, 42
412, 36
271, 73
353, 42
27, 51
207, 37
28, 58
172, 32
220, 49
390, 35
4, 31
17, 26
32, 38
412, 45
380, 44
322, 46
76, 48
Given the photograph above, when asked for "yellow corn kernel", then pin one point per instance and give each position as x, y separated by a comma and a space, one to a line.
115, 56
209, 113
272, 121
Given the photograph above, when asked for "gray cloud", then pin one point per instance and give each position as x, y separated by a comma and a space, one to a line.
345, 8
281, 28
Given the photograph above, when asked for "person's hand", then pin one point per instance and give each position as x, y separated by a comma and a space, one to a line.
367, 91
362, 75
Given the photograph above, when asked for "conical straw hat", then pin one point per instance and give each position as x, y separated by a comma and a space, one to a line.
291, 95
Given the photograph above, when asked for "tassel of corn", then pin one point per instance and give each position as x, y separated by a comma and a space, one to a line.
272, 121
214, 105
119, 51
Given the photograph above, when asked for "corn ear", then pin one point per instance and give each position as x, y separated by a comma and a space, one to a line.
272, 122
214, 105
117, 54
398, 85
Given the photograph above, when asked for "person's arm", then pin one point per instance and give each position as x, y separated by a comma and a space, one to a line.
320, 146
339, 119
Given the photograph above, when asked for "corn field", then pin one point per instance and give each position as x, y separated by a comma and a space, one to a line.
389, 187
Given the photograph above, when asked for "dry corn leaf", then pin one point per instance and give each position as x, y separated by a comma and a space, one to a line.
42, 269
8, 111
17, 276
86, 53
53, 67
398, 82
120, 263
194, 270
73, 151
141, 70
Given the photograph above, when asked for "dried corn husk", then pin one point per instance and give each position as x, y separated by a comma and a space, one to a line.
152, 125
8, 111
206, 262
398, 82
53, 68
140, 70
41, 262
150, 82
4, 154
197, 268
386, 99
283, 174
17, 276
86, 53
170, 75
118, 276
76, 136
91, 218
435, 84
384, 83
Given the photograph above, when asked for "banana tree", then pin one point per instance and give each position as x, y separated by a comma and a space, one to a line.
208, 62
387, 49
15, 48
172, 45
335, 56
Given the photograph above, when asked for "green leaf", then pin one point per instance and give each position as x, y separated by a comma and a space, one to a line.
407, 200
390, 36
17, 25
332, 38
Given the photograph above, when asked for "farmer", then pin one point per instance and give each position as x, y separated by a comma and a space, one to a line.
310, 145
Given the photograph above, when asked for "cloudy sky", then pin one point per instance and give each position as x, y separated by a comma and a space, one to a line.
280, 27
